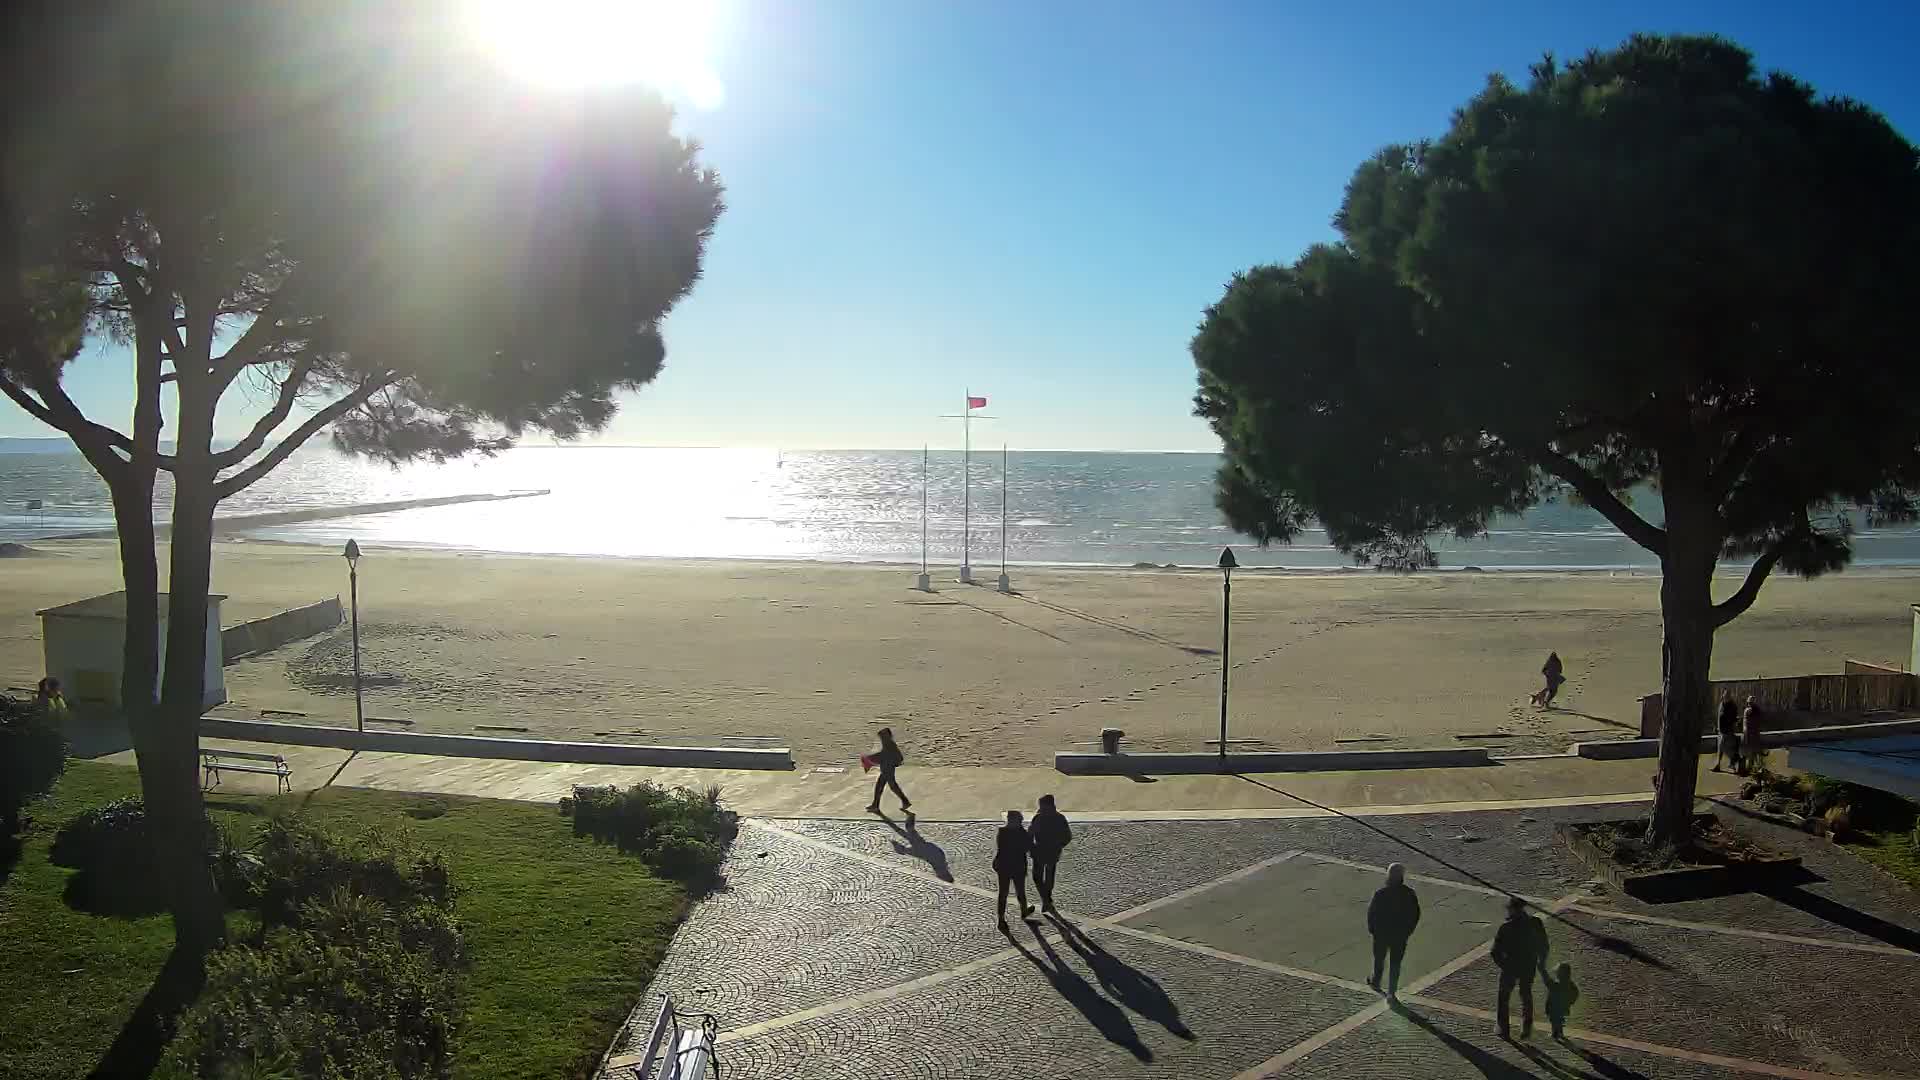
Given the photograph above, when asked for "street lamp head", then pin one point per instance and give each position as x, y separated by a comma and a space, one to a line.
353, 554
1227, 561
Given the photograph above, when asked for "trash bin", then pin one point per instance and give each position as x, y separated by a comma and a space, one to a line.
1110, 740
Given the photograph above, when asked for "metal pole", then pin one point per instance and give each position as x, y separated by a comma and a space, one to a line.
353, 587
924, 454
1226, 648
1003, 511
966, 489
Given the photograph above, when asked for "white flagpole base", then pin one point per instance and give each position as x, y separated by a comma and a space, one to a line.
1003, 584
966, 575
924, 583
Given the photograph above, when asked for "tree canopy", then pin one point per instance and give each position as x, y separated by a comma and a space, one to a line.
1652, 265
342, 216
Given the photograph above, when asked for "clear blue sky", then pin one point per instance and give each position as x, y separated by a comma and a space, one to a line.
1037, 200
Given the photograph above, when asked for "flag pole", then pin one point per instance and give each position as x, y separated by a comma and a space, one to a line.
1003, 584
966, 489
924, 583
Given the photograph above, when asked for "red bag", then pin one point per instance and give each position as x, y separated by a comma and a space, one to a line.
866, 762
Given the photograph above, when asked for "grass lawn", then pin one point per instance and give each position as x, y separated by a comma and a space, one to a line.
1893, 852
563, 933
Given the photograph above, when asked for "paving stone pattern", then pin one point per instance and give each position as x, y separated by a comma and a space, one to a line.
1435, 1045
805, 924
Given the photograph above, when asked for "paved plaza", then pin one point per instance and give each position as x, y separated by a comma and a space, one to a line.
1237, 948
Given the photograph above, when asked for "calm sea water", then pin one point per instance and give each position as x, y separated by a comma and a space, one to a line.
1062, 508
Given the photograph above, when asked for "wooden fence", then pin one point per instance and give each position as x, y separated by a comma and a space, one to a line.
1804, 700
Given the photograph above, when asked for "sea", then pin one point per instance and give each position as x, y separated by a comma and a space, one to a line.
1029, 508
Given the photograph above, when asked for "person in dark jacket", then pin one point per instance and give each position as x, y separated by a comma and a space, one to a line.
887, 759
1555, 674
1391, 917
1050, 835
1561, 994
1519, 949
1729, 749
1010, 863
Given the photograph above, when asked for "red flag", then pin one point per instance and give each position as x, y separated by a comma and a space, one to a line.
976, 403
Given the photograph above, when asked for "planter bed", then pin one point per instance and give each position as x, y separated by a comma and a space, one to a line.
1714, 863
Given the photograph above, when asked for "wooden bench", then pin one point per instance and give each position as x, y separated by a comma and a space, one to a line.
214, 762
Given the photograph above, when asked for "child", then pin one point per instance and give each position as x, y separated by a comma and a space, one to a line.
1561, 994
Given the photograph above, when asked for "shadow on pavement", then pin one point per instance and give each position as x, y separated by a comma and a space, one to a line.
1128, 985
919, 847
1489, 1065
1839, 914
1107, 1018
1605, 941
1493, 1065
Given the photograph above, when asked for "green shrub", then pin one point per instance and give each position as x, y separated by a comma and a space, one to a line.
679, 833
300, 1004
33, 754
121, 871
300, 862
354, 974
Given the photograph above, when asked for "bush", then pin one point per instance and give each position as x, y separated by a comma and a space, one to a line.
33, 754
121, 871
680, 834
353, 974
300, 862
301, 1004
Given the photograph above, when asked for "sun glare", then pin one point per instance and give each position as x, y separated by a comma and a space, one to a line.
577, 43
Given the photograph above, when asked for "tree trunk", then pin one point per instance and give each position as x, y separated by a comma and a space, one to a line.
1686, 609
198, 914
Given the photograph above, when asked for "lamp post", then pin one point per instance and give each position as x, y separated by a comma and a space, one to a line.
353, 590
1227, 564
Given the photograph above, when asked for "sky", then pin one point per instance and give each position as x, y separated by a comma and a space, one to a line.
1036, 202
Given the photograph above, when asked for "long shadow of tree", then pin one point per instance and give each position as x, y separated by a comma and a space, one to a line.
137, 1048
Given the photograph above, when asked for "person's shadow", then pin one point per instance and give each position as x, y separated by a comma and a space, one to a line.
920, 847
1108, 1019
1495, 1067
1125, 983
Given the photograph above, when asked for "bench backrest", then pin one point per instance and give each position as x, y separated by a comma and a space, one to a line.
243, 754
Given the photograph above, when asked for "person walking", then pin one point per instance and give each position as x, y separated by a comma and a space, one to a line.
887, 759
1555, 674
1391, 917
1050, 836
1519, 949
1561, 994
1010, 863
1751, 752
1729, 737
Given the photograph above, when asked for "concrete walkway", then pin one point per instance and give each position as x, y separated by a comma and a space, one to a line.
982, 794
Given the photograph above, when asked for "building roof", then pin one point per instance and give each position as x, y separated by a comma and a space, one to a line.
1887, 764
111, 605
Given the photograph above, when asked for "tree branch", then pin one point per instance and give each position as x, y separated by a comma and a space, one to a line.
241, 480
94, 441
1736, 605
258, 335
1602, 498
266, 425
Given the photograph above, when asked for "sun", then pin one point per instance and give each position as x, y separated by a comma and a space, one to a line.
581, 43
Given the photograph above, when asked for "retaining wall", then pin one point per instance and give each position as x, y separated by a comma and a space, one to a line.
1645, 748
263, 635
480, 746
1090, 763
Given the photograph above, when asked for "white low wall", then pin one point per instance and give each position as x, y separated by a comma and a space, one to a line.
480, 746
1090, 763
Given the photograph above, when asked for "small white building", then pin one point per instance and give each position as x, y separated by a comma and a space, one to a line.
85, 640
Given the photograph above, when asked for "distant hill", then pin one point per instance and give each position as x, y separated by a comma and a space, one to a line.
37, 446
65, 446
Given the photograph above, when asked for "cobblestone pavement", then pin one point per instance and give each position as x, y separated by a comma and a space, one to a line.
1238, 949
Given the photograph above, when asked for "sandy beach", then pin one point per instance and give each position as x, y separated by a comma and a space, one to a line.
816, 656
